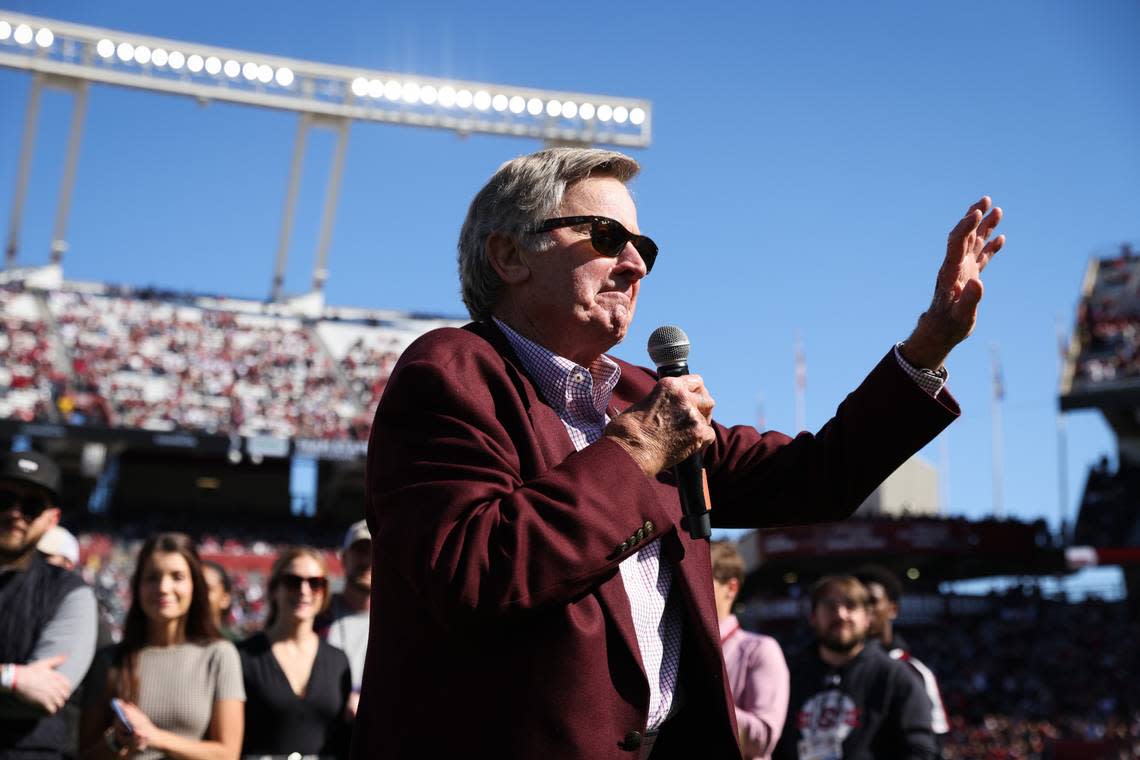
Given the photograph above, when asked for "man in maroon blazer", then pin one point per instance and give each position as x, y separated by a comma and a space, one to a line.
533, 596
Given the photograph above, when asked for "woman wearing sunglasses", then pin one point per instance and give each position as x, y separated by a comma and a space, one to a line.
297, 685
172, 687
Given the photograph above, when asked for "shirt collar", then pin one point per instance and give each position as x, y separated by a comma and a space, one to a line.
558, 378
728, 625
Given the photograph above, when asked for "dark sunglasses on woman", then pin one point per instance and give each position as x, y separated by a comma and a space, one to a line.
607, 236
294, 582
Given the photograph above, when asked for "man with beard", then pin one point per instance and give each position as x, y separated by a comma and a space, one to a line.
850, 701
47, 614
345, 624
884, 592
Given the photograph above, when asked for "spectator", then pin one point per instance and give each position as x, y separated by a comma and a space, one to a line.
345, 624
757, 671
849, 700
47, 614
884, 592
178, 680
221, 597
297, 685
59, 547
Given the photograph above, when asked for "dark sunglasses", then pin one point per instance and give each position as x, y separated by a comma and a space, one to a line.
294, 582
606, 235
31, 506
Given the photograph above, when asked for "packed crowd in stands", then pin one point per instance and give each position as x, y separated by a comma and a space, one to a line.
163, 366
1035, 674
162, 362
1108, 322
26, 369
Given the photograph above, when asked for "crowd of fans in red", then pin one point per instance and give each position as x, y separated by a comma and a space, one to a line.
1108, 322
162, 362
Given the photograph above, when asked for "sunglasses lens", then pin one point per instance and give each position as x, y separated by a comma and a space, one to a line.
294, 582
648, 250
30, 506
608, 238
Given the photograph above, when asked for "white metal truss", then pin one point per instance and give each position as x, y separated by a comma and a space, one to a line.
70, 56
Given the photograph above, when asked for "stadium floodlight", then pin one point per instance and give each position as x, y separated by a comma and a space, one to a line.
72, 56
208, 73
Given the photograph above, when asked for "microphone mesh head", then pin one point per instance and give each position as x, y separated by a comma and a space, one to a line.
668, 345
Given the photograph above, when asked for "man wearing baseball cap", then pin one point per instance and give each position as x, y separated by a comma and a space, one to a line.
47, 614
345, 625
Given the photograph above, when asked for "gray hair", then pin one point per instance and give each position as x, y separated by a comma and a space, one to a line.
522, 193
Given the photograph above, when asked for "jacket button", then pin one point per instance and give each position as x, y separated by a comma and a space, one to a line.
640, 534
622, 547
631, 741
648, 526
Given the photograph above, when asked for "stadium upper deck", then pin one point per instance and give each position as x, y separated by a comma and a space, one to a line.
93, 355
1103, 365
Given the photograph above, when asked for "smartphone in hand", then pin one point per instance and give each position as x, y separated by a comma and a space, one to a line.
121, 714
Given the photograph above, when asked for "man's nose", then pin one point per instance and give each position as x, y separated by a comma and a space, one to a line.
630, 260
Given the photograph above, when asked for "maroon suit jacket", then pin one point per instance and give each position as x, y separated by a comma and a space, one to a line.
500, 625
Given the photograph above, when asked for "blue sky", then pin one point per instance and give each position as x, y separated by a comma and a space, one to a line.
808, 161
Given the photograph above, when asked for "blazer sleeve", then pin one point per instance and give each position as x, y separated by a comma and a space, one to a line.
759, 480
450, 509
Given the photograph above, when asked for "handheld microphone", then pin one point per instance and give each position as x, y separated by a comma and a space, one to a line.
669, 350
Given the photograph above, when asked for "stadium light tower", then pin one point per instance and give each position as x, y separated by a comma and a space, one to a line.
70, 56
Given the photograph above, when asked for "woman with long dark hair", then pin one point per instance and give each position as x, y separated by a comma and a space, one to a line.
177, 682
297, 685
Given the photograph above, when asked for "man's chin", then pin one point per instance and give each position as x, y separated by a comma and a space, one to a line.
840, 646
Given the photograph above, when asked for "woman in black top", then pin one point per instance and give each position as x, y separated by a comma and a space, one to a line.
296, 684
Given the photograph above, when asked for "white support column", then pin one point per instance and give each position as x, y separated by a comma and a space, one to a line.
278, 286
27, 147
74, 137
332, 193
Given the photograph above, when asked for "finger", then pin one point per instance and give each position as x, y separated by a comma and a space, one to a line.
965, 226
988, 252
982, 205
50, 662
992, 219
705, 404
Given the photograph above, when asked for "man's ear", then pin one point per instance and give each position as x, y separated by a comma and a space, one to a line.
506, 257
733, 585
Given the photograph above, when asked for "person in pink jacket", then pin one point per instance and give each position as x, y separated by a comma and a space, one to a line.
757, 671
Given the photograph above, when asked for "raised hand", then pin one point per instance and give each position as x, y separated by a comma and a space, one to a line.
953, 311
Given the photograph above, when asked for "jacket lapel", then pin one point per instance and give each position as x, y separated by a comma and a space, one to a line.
554, 446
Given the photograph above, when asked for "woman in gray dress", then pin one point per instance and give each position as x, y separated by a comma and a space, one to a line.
177, 682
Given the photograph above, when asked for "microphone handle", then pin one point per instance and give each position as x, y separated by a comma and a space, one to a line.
690, 477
